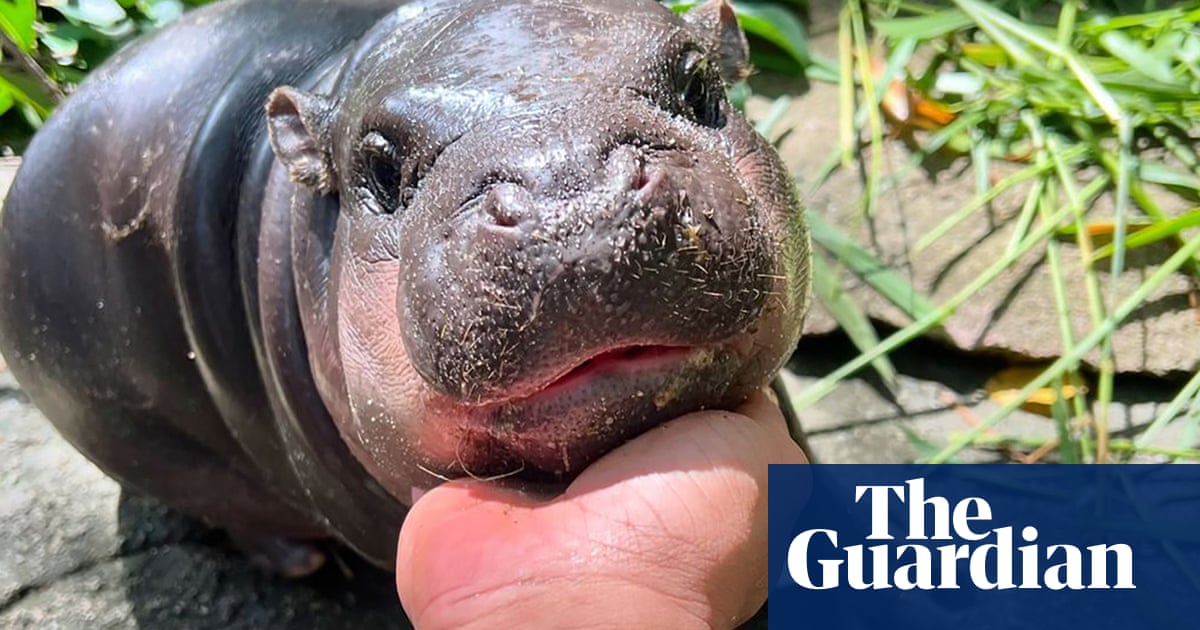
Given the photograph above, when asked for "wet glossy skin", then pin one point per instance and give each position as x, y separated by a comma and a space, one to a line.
496, 238
502, 224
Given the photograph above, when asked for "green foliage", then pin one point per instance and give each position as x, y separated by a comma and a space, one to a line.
50, 45
779, 41
1092, 97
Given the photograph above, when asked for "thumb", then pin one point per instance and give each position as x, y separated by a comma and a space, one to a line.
668, 530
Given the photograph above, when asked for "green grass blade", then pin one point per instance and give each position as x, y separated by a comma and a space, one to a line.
828, 383
1137, 56
828, 289
866, 265
1186, 396
779, 108
1163, 175
1087, 344
847, 131
923, 27
1003, 28
1159, 231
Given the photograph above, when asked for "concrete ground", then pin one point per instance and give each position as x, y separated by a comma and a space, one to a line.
78, 552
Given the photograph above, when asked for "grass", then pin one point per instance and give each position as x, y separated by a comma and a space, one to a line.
1088, 102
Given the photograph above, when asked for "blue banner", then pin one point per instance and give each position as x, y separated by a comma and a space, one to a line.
984, 546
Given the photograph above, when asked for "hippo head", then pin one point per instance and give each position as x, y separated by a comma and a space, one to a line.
533, 230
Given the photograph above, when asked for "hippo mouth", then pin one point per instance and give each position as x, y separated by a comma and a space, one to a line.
591, 405
625, 360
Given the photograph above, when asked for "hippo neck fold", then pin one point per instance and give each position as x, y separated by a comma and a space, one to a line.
285, 274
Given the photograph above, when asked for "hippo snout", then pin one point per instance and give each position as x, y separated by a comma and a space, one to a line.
509, 204
562, 253
531, 230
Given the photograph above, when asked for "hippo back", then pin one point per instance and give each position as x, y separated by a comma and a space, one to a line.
129, 255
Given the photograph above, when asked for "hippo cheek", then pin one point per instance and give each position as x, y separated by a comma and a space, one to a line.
386, 396
763, 174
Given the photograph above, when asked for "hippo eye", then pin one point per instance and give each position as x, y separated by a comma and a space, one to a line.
381, 172
700, 90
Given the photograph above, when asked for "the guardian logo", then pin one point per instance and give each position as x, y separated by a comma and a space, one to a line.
973, 555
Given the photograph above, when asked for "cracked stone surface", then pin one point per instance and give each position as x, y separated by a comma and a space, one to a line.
1015, 314
940, 395
78, 552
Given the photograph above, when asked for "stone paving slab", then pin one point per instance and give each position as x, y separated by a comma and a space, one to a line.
1015, 314
78, 552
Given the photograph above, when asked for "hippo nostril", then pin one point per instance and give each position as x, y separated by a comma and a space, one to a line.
633, 171
505, 203
650, 182
641, 181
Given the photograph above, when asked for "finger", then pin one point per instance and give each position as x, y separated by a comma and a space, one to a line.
669, 529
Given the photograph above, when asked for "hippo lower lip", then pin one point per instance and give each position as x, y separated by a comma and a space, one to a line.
594, 406
627, 359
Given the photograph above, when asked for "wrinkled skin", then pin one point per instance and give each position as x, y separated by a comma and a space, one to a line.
490, 239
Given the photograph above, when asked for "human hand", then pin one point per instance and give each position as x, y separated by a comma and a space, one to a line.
667, 531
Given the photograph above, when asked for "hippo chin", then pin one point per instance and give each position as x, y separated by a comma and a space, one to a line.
487, 238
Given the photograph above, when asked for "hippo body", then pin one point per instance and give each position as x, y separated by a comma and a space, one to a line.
459, 241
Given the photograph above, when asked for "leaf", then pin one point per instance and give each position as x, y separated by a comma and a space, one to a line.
27, 92
64, 49
989, 55
1154, 233
1006, 385
1126, 49
16, 20
1156, 173
32, 116
6, 100
903, 105
923, 27
854, 322
960, 83
100, 13
1189, 52
161, 12
867, 266
770, 22
776, 25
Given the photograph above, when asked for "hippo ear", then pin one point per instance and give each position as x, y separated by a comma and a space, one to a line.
298, 125
715, 23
